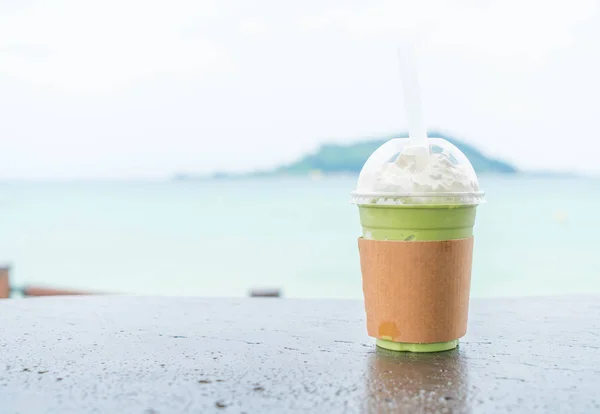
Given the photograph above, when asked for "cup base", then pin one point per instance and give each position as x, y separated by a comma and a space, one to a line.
408, 347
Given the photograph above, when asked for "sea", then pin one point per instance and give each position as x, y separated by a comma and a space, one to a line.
533, 236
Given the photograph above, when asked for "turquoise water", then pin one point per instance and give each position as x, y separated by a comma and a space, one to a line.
535, 236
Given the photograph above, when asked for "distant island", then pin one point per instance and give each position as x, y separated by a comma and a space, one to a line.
349, 159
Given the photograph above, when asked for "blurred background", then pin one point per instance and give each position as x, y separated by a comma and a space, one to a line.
208, 148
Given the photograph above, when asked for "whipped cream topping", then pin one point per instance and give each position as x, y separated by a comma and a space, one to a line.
414, 172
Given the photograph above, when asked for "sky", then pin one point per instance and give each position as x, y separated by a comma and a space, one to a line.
145, 89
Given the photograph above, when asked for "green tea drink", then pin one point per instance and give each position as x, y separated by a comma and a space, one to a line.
418, 223
399, 200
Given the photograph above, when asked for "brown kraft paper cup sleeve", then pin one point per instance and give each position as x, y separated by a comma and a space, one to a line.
416, 292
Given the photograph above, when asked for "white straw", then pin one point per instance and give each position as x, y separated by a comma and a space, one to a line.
412, 96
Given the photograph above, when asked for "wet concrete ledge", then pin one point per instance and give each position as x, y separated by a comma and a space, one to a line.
171, 355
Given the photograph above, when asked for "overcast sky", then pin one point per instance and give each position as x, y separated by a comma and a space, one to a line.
144, 89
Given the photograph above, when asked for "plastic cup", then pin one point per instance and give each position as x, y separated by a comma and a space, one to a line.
396, 212
417, 223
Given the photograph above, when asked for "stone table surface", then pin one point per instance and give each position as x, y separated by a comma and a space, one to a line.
119, 354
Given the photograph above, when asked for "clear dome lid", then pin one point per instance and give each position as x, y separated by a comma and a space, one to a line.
401, 173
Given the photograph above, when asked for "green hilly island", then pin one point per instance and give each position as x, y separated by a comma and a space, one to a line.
349, 159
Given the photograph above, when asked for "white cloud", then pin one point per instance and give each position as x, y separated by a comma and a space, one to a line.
254, 27
73, 44
498, 28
